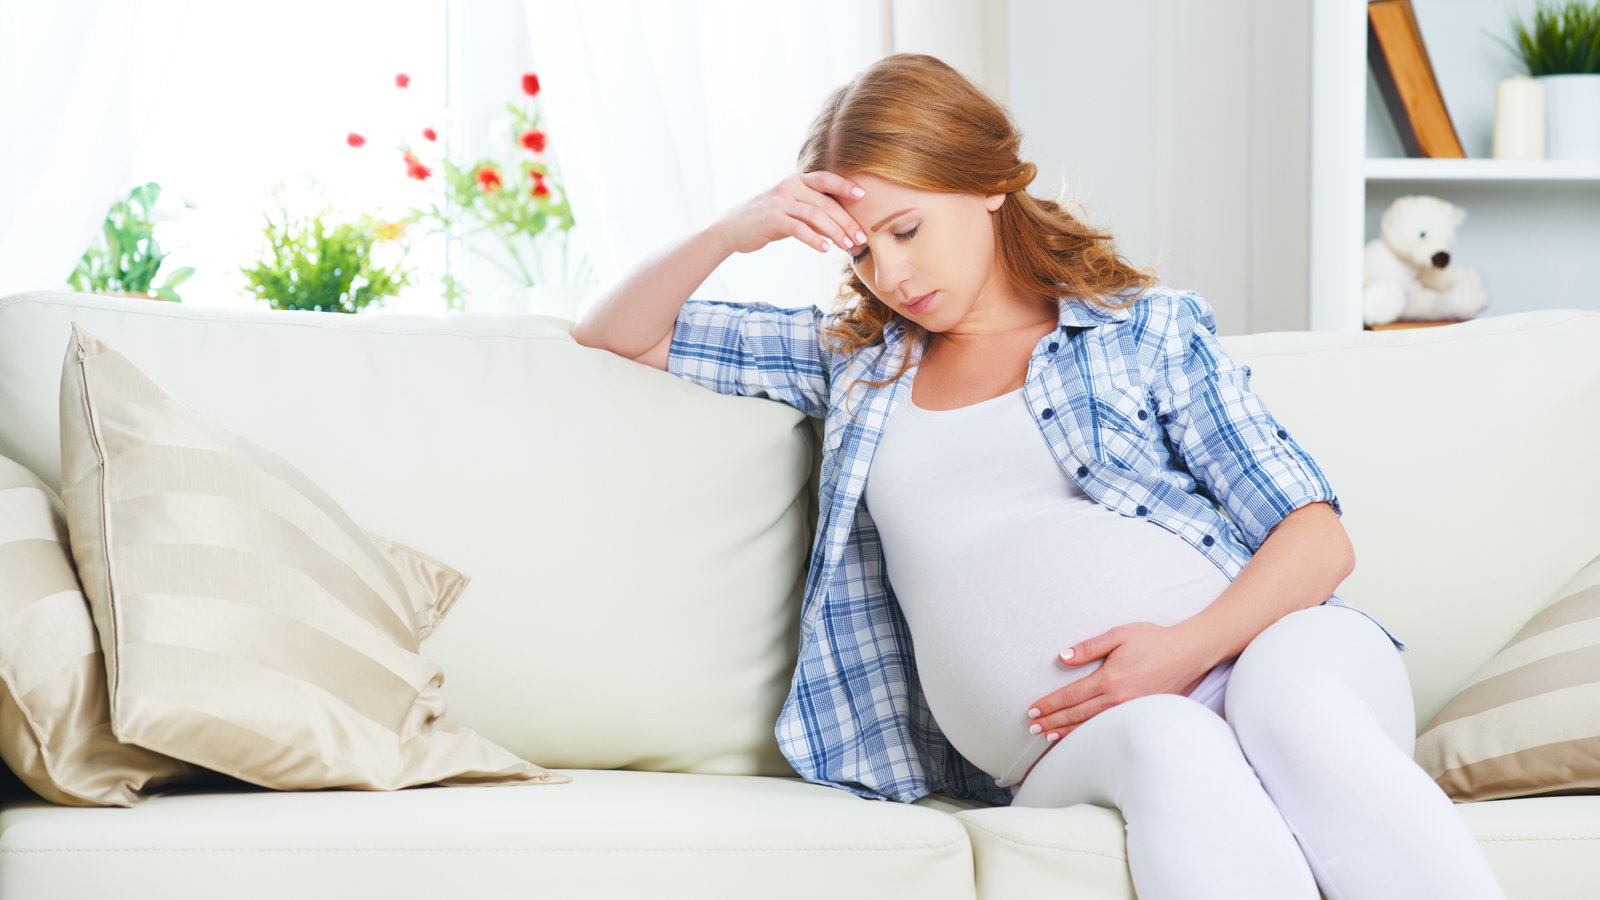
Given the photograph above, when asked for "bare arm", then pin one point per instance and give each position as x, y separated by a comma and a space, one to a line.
1304, 558
631, 318
636, 317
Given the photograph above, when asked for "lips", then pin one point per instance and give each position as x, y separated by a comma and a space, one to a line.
921, 303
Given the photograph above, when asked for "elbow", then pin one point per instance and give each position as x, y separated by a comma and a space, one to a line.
581, 336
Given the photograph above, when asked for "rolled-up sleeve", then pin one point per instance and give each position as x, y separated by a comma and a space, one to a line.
754, 350
1228, 440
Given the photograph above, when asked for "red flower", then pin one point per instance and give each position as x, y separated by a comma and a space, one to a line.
416, 169
530, 84
354, 140
488, 179
540, 189
533, 140
430, 134
402, 80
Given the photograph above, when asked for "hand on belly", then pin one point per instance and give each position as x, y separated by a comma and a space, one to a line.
1186, 692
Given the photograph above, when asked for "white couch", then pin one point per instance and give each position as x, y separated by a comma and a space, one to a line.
637, 546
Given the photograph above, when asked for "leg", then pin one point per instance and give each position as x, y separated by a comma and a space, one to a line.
1322, 706
1199, 824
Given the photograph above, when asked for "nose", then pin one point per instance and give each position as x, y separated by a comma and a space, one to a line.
892, 271
1441, 259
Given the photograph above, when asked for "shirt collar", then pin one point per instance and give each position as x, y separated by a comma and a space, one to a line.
1074, 313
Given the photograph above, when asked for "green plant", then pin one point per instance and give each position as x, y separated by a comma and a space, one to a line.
313, 266
1563, 40
127, 259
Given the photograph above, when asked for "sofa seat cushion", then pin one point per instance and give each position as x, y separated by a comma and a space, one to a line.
612, 833
1538, 846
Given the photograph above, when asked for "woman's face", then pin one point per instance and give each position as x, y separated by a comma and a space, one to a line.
932, 242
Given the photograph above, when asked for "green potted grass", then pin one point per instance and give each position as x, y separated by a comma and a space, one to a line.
124, 259
1561, 49
312, 264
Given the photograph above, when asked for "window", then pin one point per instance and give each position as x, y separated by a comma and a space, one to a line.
247, 95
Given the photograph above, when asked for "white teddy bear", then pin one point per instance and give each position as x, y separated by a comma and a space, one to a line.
1408, 275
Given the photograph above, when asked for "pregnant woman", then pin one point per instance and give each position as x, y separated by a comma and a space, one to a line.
1065, 554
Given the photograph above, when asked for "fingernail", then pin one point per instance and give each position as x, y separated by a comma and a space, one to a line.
847, 241
1033, 713
858, 192
1052, 736
1036, 728
861, 237
1066, 654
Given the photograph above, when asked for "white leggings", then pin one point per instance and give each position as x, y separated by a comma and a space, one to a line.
1302, 779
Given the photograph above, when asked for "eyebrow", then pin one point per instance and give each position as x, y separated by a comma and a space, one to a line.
890, 217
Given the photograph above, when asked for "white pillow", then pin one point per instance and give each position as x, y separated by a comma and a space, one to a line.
248, 625
55, 733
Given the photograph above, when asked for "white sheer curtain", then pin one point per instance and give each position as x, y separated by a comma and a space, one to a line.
68, 126
669, 113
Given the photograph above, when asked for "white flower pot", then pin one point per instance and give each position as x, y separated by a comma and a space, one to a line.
1572, 116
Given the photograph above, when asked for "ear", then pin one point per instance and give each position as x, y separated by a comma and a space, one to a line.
994, 201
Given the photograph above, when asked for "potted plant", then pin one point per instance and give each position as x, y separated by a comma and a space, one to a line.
312, 265
1561, 50
515, 197
126, 260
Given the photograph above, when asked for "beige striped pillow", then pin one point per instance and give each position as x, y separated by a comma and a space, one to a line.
55, 730
1528, 721
248, 625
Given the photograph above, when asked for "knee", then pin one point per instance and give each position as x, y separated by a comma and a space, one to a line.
1171, 735
1304, 683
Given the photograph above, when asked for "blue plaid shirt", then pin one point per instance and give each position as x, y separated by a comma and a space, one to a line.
1141, 406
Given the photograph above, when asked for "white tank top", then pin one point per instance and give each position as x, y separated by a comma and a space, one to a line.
999, 561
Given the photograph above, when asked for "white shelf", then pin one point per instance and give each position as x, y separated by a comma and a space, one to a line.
1532, 225
1558, 170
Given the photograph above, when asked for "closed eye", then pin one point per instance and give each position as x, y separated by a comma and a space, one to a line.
899, 237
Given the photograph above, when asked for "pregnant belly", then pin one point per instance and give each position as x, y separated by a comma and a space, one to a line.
984, 714
982, 665
982, 705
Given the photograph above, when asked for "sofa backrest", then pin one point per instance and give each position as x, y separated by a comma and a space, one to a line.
636, 543
1465, 459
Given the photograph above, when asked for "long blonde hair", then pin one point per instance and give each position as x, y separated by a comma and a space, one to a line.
912, 119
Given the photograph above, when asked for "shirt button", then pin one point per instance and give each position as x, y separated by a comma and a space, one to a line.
1082, 471
1208, 540
1048, 413
1143, 414
1054, 346
1142, 510
1282, 433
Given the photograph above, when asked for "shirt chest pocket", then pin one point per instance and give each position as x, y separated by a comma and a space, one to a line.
1125, 429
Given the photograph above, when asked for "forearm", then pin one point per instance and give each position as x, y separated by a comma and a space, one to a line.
638, 312
1302, 561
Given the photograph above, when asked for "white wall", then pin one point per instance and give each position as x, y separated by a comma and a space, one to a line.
1183, 126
